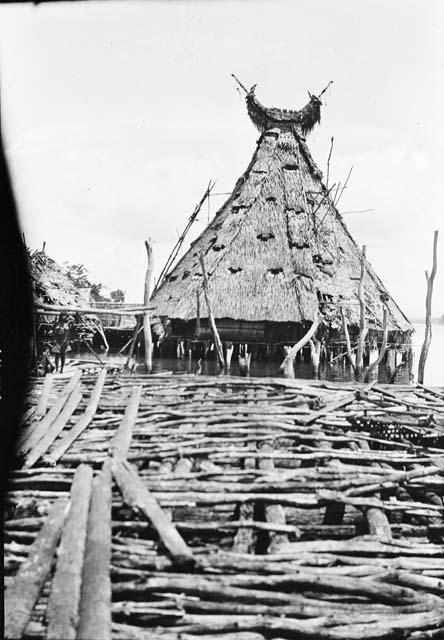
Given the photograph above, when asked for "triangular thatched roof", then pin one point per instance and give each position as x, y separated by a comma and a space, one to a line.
278, 249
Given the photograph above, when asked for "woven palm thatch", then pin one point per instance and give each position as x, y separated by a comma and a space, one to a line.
278, 249
50, 284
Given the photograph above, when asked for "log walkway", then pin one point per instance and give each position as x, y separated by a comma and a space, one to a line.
182, 507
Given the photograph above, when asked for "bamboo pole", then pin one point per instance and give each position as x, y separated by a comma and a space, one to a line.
146, 315
217, 341
428, 328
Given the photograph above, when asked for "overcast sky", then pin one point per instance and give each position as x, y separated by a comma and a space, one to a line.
117, 114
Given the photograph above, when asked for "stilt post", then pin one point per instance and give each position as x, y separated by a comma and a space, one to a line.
146, 315
428, 328
217, 341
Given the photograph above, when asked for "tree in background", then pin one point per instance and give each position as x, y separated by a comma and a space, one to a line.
78, 274
117, 295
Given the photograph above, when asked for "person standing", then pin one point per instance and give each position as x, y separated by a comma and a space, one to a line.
61, 332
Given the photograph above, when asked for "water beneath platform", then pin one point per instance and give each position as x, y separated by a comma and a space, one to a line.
434, 374
259, 369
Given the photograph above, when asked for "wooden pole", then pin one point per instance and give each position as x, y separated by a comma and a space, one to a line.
217, 341
428, 328
177, 246
146, 315
287, 364
197, 330
137, 328
128, 342
362, 318
347, 340
374, 365
39, 306
315, 355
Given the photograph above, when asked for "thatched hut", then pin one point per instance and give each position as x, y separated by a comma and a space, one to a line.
277, 251
50, 284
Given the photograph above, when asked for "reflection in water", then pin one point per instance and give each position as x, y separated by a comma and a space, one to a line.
434, 373
260, 369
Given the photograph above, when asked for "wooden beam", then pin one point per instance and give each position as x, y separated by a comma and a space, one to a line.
39, 306
23, 592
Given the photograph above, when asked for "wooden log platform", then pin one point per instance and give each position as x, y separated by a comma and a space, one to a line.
226, 508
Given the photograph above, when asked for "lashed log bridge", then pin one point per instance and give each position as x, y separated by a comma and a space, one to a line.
228, 508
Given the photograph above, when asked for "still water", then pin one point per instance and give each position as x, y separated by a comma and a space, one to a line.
434, 372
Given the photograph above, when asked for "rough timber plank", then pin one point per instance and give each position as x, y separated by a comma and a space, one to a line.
55, 429
43, 425
138, 497
64, 599
84, 420
44, 396
23, 593
121, 441
95, 601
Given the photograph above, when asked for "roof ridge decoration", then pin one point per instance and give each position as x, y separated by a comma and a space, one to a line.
302, 120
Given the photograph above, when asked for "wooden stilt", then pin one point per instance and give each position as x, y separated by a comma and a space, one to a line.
229, 348
287, 366
137, 329
217, 341
146, 315
428, 320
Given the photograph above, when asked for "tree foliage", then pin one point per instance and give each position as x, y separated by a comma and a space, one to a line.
117, 295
